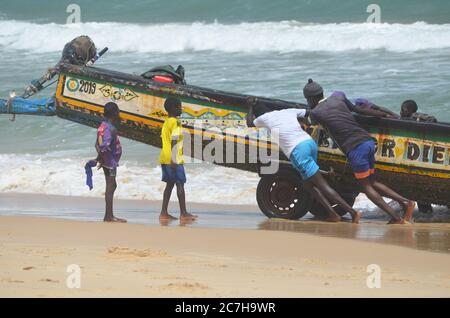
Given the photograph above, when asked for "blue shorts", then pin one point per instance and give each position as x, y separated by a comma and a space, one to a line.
304, 158
362, 159
176, 175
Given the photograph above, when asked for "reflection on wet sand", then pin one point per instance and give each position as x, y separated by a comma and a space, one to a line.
431, 237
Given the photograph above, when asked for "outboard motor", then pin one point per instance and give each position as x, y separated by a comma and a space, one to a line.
166, 74
80, 51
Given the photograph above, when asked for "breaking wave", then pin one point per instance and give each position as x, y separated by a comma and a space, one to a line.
55, 174
285, 36
44, 174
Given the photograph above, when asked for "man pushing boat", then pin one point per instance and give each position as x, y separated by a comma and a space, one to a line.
335, 115
302, 150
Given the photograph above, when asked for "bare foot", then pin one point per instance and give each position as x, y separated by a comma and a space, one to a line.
394, 221
166, 217
346, 220
165, 222
409, 211
188, 216
114, 219
184, 222
332, 219
356, 217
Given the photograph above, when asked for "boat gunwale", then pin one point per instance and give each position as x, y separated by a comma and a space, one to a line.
149, 85
193, 91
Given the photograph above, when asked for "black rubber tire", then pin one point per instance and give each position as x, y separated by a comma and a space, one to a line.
281, 196
317, 209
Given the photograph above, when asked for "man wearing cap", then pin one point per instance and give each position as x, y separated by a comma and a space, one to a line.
335, 115
301, 149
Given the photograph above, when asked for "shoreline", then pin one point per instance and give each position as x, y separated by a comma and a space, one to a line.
433, 237
98, 202
154, 261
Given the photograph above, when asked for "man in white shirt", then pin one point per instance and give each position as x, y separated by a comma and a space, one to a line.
301, 150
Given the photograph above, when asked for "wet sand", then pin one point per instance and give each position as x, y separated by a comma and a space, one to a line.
424, 236
429, 237
158, 261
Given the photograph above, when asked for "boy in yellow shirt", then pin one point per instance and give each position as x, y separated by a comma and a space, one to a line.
171, 160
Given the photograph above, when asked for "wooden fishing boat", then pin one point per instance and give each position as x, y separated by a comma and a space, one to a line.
412, 157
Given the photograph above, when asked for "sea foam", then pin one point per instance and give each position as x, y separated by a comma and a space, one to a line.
285, 36
46, 174
52, 174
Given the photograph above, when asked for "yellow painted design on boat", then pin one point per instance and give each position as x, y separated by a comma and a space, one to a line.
381, 166
392, 153
149, 121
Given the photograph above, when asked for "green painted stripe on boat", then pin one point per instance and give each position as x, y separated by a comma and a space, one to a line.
410, 134
374, 130
183, 98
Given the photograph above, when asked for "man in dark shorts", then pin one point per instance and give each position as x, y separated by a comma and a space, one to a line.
408, 112
335, 115
109, 152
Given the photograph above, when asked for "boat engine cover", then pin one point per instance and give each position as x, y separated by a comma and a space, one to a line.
79, 51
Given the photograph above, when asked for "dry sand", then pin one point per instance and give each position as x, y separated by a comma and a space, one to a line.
156, 261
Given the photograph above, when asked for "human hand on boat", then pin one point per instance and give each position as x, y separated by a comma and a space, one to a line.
251, 100
393, 116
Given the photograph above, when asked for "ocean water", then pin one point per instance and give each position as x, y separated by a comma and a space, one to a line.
263, 47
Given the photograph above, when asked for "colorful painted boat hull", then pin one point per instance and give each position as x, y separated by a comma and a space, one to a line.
413, 158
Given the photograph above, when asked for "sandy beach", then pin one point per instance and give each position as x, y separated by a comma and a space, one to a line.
136, 260
77, 77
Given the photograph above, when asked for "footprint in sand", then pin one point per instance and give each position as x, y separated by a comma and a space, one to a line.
49, 280
312, 261
10, 280
175, 277
401, 279
185, 286
127, 252
142, 270
45, 252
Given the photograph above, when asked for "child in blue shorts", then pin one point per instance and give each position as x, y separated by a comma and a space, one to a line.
171, 160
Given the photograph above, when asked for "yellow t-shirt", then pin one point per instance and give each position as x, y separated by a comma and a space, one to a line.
171, 130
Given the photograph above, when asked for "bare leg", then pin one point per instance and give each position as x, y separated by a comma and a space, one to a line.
425, 207
164, 215
111, 187
182, 200
407, 205
315, 192
376, 198
333, 196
